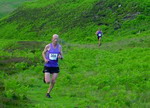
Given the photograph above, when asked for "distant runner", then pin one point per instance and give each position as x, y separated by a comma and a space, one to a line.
99, 36
52, 52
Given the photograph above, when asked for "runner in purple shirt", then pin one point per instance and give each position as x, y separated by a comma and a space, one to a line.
99, 36
52, 52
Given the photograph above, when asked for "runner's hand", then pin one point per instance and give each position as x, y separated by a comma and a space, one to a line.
46, 61
60, 57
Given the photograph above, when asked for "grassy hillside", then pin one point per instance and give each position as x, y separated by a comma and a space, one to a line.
115, 75
75, 20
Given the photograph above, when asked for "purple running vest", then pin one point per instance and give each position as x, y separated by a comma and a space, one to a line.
52, 56
99, 34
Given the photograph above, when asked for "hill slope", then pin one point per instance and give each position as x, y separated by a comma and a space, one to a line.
75, 20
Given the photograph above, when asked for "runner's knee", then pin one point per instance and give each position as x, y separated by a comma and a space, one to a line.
47, 81
53, 81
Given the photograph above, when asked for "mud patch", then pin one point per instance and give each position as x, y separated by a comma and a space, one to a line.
31, 46
7, 64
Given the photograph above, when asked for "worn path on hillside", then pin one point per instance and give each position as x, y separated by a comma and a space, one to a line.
127, 43
33, 46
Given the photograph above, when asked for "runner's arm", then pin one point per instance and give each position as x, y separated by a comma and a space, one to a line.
96, 32
44, 53
61, 53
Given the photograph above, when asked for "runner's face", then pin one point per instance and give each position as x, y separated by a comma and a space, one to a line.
55, 39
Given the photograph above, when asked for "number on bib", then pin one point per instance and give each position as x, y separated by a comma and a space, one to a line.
53, 56
99, 34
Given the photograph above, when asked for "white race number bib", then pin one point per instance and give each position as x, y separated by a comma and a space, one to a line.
99, 34
53, 56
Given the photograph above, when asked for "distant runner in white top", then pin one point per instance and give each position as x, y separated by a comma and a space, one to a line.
99, 36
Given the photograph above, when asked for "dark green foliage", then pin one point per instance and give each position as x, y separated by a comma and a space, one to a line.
40, 21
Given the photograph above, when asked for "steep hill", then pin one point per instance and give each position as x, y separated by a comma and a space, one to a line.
76, 19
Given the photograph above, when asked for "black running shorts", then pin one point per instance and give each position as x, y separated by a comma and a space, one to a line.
98, 37
51, 70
